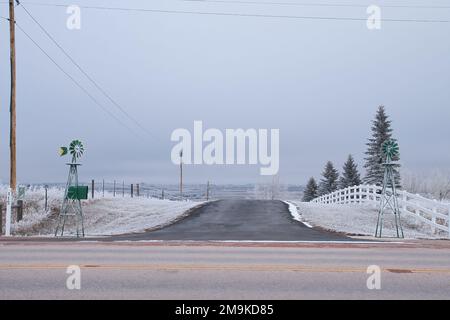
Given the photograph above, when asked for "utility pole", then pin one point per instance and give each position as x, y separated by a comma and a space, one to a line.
12, 122
207, 191
12, 110
181, 174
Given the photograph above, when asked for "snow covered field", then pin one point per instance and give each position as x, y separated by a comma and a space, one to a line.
103, 216
358, 220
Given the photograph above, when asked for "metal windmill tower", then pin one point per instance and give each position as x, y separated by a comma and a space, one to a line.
73, 194
388, 197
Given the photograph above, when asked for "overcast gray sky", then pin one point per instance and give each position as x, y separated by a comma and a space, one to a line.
318, 81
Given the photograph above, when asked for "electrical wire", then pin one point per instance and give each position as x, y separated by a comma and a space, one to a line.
74, 80
310, 4
236, 14
103, 91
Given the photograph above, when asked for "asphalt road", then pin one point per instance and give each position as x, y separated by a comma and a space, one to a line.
148, 271
239, 220
310, 267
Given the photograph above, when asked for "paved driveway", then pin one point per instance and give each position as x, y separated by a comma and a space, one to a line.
239, 220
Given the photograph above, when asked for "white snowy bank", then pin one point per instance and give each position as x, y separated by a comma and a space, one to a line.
103, 216
119, 216
358, 220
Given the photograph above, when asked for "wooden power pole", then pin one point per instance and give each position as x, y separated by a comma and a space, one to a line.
12, 135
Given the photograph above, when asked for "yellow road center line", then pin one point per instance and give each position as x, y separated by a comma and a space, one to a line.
200, 267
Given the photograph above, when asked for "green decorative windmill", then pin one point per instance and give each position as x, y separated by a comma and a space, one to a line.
388, 197
71, 206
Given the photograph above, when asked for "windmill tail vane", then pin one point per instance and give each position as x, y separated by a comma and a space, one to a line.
62, 151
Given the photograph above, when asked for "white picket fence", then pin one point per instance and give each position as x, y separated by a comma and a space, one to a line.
431, 212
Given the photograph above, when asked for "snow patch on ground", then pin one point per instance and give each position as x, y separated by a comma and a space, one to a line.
295, 213
360, 220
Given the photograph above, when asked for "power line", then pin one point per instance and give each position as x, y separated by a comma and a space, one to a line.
75, 81
293, 17
310, 4
87, 75
300, 4
72, 78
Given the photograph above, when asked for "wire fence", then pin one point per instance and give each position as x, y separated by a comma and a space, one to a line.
100, 188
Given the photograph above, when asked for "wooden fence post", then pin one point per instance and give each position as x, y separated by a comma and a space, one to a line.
103, 188
46, 197
137, 190
1, 218
19, 209
114, 190
92, 188
132, 190
448, 221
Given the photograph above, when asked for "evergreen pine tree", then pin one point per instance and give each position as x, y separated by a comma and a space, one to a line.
350, 175
381, 131
311, 191
329, 183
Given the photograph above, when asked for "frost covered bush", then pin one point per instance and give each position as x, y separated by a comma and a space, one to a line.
34, 206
